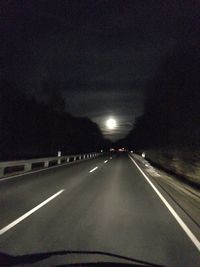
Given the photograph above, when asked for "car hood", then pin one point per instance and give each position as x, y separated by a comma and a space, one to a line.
64, 258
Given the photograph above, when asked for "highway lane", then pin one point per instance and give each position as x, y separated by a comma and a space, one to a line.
21, 193
110, 208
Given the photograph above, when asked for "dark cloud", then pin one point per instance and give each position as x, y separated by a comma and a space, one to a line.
98, 55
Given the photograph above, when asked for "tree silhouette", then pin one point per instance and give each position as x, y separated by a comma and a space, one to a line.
32, 129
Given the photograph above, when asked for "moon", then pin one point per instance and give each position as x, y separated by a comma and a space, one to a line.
111, 123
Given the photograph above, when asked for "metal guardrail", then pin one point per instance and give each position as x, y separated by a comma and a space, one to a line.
19, 166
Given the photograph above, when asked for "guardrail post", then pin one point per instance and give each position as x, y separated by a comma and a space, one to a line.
79, 157
59, 155
28, 167
46, 164
67, 159
74, 158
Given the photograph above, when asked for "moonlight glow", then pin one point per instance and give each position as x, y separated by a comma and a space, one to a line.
111, 124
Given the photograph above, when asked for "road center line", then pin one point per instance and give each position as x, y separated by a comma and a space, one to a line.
21, 218
173, 212
93, 169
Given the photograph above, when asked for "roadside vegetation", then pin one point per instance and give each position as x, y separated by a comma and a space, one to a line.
169, 129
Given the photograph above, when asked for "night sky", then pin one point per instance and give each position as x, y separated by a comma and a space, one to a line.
99, 56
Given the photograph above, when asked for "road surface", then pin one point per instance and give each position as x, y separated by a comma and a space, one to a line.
103, 204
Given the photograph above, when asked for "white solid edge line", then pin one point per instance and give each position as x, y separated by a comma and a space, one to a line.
105, 161
21, 218
93, 169
173, 212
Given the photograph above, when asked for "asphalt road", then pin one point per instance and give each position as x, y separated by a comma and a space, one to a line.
110, 208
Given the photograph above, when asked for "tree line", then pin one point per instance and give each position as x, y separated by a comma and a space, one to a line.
29, 128
172, 108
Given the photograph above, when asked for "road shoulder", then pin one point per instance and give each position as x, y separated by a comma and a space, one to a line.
183, 198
